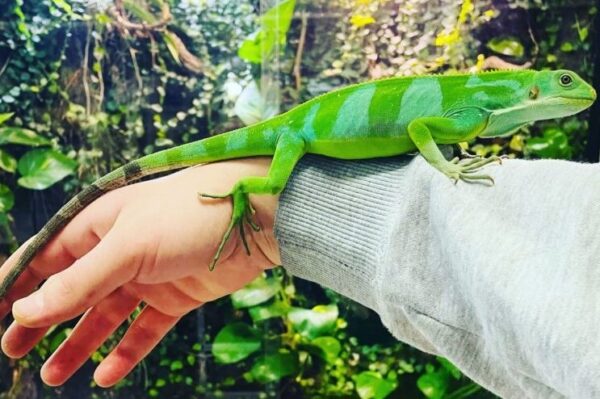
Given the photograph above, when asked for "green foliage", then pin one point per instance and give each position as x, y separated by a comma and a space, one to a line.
42, 168
312, 323
79, 94
272, 368
235, 342
310, 345
38, 168
371, 385
553, 143
274, 25
257, 292
509, 46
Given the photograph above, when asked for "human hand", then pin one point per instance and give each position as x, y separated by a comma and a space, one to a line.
150, 242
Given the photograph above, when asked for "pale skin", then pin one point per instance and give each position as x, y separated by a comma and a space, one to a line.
145, 243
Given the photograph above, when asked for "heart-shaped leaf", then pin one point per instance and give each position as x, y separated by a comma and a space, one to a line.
42, 168
235, 342
314, 322
258, 291
17, 135
7, 162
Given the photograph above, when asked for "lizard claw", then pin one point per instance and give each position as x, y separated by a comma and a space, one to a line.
467, 170
242, 213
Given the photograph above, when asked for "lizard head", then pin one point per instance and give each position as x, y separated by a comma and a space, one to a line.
543, 95
560, 93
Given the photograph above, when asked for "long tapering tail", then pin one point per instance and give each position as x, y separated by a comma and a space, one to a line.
251, 141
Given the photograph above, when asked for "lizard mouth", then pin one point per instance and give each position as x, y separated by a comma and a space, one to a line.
578, 100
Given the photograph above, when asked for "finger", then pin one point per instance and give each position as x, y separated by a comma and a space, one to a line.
77, 238
17, 341
143, 335
66, 294
99, 323
23, 286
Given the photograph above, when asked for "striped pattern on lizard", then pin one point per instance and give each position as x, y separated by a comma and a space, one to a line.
373, 119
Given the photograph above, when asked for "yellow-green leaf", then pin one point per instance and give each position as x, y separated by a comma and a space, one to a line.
7, 162
7, 199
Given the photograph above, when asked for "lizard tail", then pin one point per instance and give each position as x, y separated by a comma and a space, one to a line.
245, 142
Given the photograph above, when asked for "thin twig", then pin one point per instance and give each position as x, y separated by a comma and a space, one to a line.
301, 44
493, 62
100, 79
4, 66
86, 87
136, 69
139, 29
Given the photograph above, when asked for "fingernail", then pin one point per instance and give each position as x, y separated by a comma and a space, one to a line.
28, 308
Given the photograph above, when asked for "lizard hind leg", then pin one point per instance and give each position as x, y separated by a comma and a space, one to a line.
242, 213
289, 150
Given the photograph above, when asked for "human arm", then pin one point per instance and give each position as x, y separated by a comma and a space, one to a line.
146, 242
501, 280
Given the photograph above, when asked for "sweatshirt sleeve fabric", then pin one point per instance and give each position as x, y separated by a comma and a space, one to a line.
502, 280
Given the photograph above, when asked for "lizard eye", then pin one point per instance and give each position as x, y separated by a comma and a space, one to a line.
566, 80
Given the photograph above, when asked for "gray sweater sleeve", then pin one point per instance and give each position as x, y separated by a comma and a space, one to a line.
504, 281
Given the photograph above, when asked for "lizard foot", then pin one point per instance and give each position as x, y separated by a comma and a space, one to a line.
458, 169
242, 213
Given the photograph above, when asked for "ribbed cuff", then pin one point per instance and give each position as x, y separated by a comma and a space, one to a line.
333, 222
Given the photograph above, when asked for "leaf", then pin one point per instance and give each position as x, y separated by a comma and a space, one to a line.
235, 342
506, 46
258, 291
62, 4
250, 49
451, 368
42, 168
252, 107
371, 385
272, 368
275, 24
314, 322
17, 135
260, 313
58, 339
567, 47
7, 162
329, 347
279, 18
434, 384
172, 46
5, 117
7, 199
554, 143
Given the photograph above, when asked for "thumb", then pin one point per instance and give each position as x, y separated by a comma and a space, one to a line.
71, 292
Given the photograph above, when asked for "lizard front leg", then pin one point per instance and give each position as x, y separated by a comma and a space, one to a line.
288, 151
424, 132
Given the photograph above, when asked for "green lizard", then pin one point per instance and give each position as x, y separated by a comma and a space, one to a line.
373, 119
